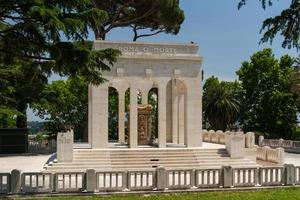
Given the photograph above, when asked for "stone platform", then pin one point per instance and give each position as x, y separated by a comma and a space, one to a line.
114, 159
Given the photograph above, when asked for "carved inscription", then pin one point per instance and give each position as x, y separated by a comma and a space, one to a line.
154, 50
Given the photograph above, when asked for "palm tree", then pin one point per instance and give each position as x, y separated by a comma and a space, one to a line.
221, 106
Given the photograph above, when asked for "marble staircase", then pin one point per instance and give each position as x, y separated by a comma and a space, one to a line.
144, 159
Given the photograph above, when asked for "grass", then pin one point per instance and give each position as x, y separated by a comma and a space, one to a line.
270, 194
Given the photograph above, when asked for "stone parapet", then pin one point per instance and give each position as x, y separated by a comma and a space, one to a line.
161, 179
270, 155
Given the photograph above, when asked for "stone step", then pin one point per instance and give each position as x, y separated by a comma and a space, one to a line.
164, 163
150, 156
85, 159
148, 159
149, 152
145, 162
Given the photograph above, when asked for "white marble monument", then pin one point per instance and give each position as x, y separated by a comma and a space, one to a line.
174, 69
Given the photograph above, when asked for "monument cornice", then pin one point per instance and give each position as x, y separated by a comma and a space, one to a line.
151, 50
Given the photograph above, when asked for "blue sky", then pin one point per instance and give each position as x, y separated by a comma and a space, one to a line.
226, 36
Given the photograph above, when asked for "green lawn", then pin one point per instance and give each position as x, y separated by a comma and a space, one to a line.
274, 194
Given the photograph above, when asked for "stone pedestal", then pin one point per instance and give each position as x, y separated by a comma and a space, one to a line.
235, 145
65, 146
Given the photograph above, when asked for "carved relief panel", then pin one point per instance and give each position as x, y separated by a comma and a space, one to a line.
144, 125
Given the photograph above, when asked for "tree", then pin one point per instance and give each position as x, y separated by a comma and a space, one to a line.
156, 16
64, 106
51, 35
287, 24
113, 113
295, 78
38, 38
268, 104
220, 103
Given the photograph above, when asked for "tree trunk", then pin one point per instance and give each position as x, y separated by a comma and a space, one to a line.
21, 118
100, 34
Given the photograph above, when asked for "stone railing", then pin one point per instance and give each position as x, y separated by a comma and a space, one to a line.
41, 146
218, 137
147, 180
212, 136
271, 155
288, 145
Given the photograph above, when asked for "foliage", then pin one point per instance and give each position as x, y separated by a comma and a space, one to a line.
153, 101
295, 78
64, 106
156, 16
38, 38
33, 32
8, 117
21, 85
113, 114
40, 137
221, 103
36, 127
268, 104
286, 24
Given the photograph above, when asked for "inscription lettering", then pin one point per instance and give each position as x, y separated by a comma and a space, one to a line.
154, 50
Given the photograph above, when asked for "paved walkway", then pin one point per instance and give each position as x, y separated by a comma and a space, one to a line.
291, 158
25, 163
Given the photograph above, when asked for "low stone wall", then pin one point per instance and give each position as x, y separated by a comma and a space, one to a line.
290, 146
219, 136
160, 179
42, 146
212, 136
240, 145
270, 155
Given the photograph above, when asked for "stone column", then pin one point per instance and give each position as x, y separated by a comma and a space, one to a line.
133, 137
181, 119
193, 113
98, 116
162, 112
174, 113
121, 117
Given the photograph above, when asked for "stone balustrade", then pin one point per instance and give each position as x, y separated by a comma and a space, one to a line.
212, 136
218, 137
271, 155
290, 146
42, 146
160, 178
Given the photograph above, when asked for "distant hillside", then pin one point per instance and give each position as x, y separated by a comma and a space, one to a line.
35, 127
